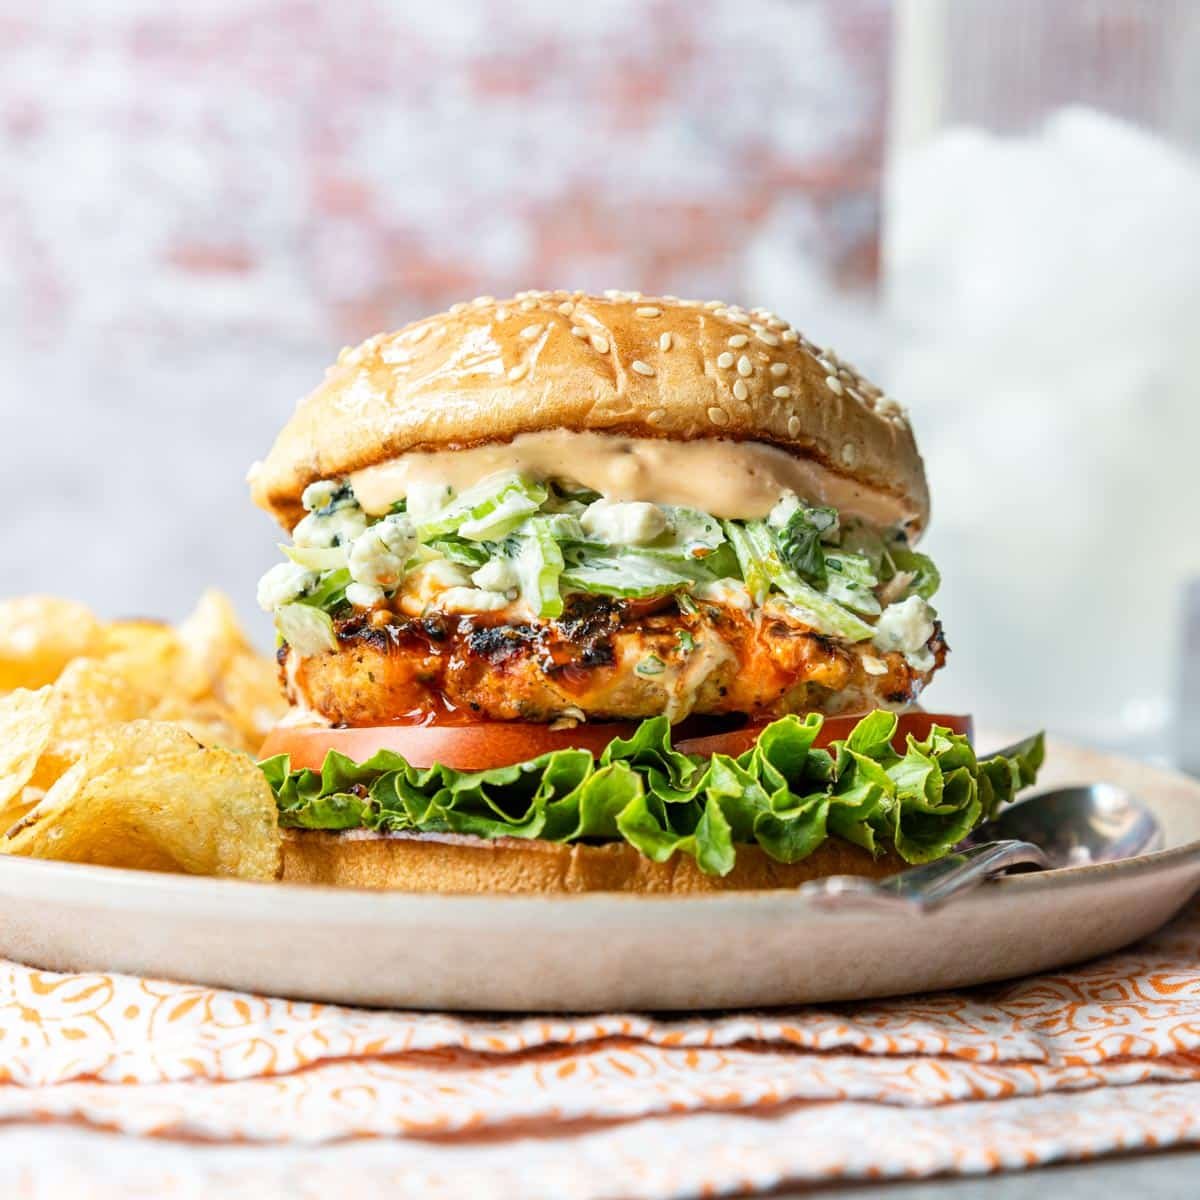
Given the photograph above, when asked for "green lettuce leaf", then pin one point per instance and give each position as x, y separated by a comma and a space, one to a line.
330, 591
925, 576
800, 541
784, 794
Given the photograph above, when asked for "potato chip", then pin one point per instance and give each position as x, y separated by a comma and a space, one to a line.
39, 635
89, 696
148, 653
251, 691
86, 777
26, 720
149, 797
220, 663
209, 721
129, 633
210, 638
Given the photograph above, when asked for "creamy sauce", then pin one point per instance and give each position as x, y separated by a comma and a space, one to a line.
734, 480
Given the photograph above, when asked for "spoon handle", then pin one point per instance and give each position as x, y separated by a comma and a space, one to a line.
929, 886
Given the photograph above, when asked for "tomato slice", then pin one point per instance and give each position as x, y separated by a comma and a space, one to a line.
484, 744
463, 747
917, 723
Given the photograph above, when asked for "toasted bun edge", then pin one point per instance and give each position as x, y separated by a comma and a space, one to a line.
457, 864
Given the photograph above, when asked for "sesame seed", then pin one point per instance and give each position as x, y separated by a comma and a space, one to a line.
599, 343
774, 322
740, 390
857, 395
718, 416
849, 454
767, 337
567, 307
656, 415
641, 368
793, 426
457, 308
664, 342
738, 340
738, 318
530, 332
789, 335
779, 370
518, 372
782, 393
527, 305
614, 294
648, 310
834, 384
579, 331
502, 314
714, 304
745, 366
673, 299
418, 333
725, 360
873, 665
483, 301
824, 363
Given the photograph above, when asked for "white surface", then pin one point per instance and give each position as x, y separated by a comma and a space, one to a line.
523, 953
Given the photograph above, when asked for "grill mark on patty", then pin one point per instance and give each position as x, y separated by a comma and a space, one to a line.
388, 664
498, 642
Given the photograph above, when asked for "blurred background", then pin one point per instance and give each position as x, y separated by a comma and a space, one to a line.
991, 206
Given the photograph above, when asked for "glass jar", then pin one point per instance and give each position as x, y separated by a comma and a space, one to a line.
1042, 282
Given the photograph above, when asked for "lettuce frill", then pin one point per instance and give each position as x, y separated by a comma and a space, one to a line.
784, 795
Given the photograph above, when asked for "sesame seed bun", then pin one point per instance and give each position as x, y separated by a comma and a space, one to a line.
412, 862
621, 363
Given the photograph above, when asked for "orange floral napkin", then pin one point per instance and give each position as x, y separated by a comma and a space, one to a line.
1099, 1059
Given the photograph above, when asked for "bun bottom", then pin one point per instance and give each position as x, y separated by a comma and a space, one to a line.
453, 863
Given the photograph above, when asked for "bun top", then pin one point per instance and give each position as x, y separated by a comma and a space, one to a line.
621, 363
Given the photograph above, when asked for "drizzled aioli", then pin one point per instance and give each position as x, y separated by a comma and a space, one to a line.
733, 480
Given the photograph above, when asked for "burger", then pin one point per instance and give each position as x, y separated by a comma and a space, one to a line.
608, 592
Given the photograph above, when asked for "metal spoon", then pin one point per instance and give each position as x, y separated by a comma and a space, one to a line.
1067, 827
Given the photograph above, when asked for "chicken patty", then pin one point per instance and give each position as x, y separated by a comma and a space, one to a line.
601, 660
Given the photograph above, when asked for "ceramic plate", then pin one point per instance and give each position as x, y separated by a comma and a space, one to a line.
599, 952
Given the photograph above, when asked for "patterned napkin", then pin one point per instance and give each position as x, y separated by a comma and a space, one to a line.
1099, 1059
